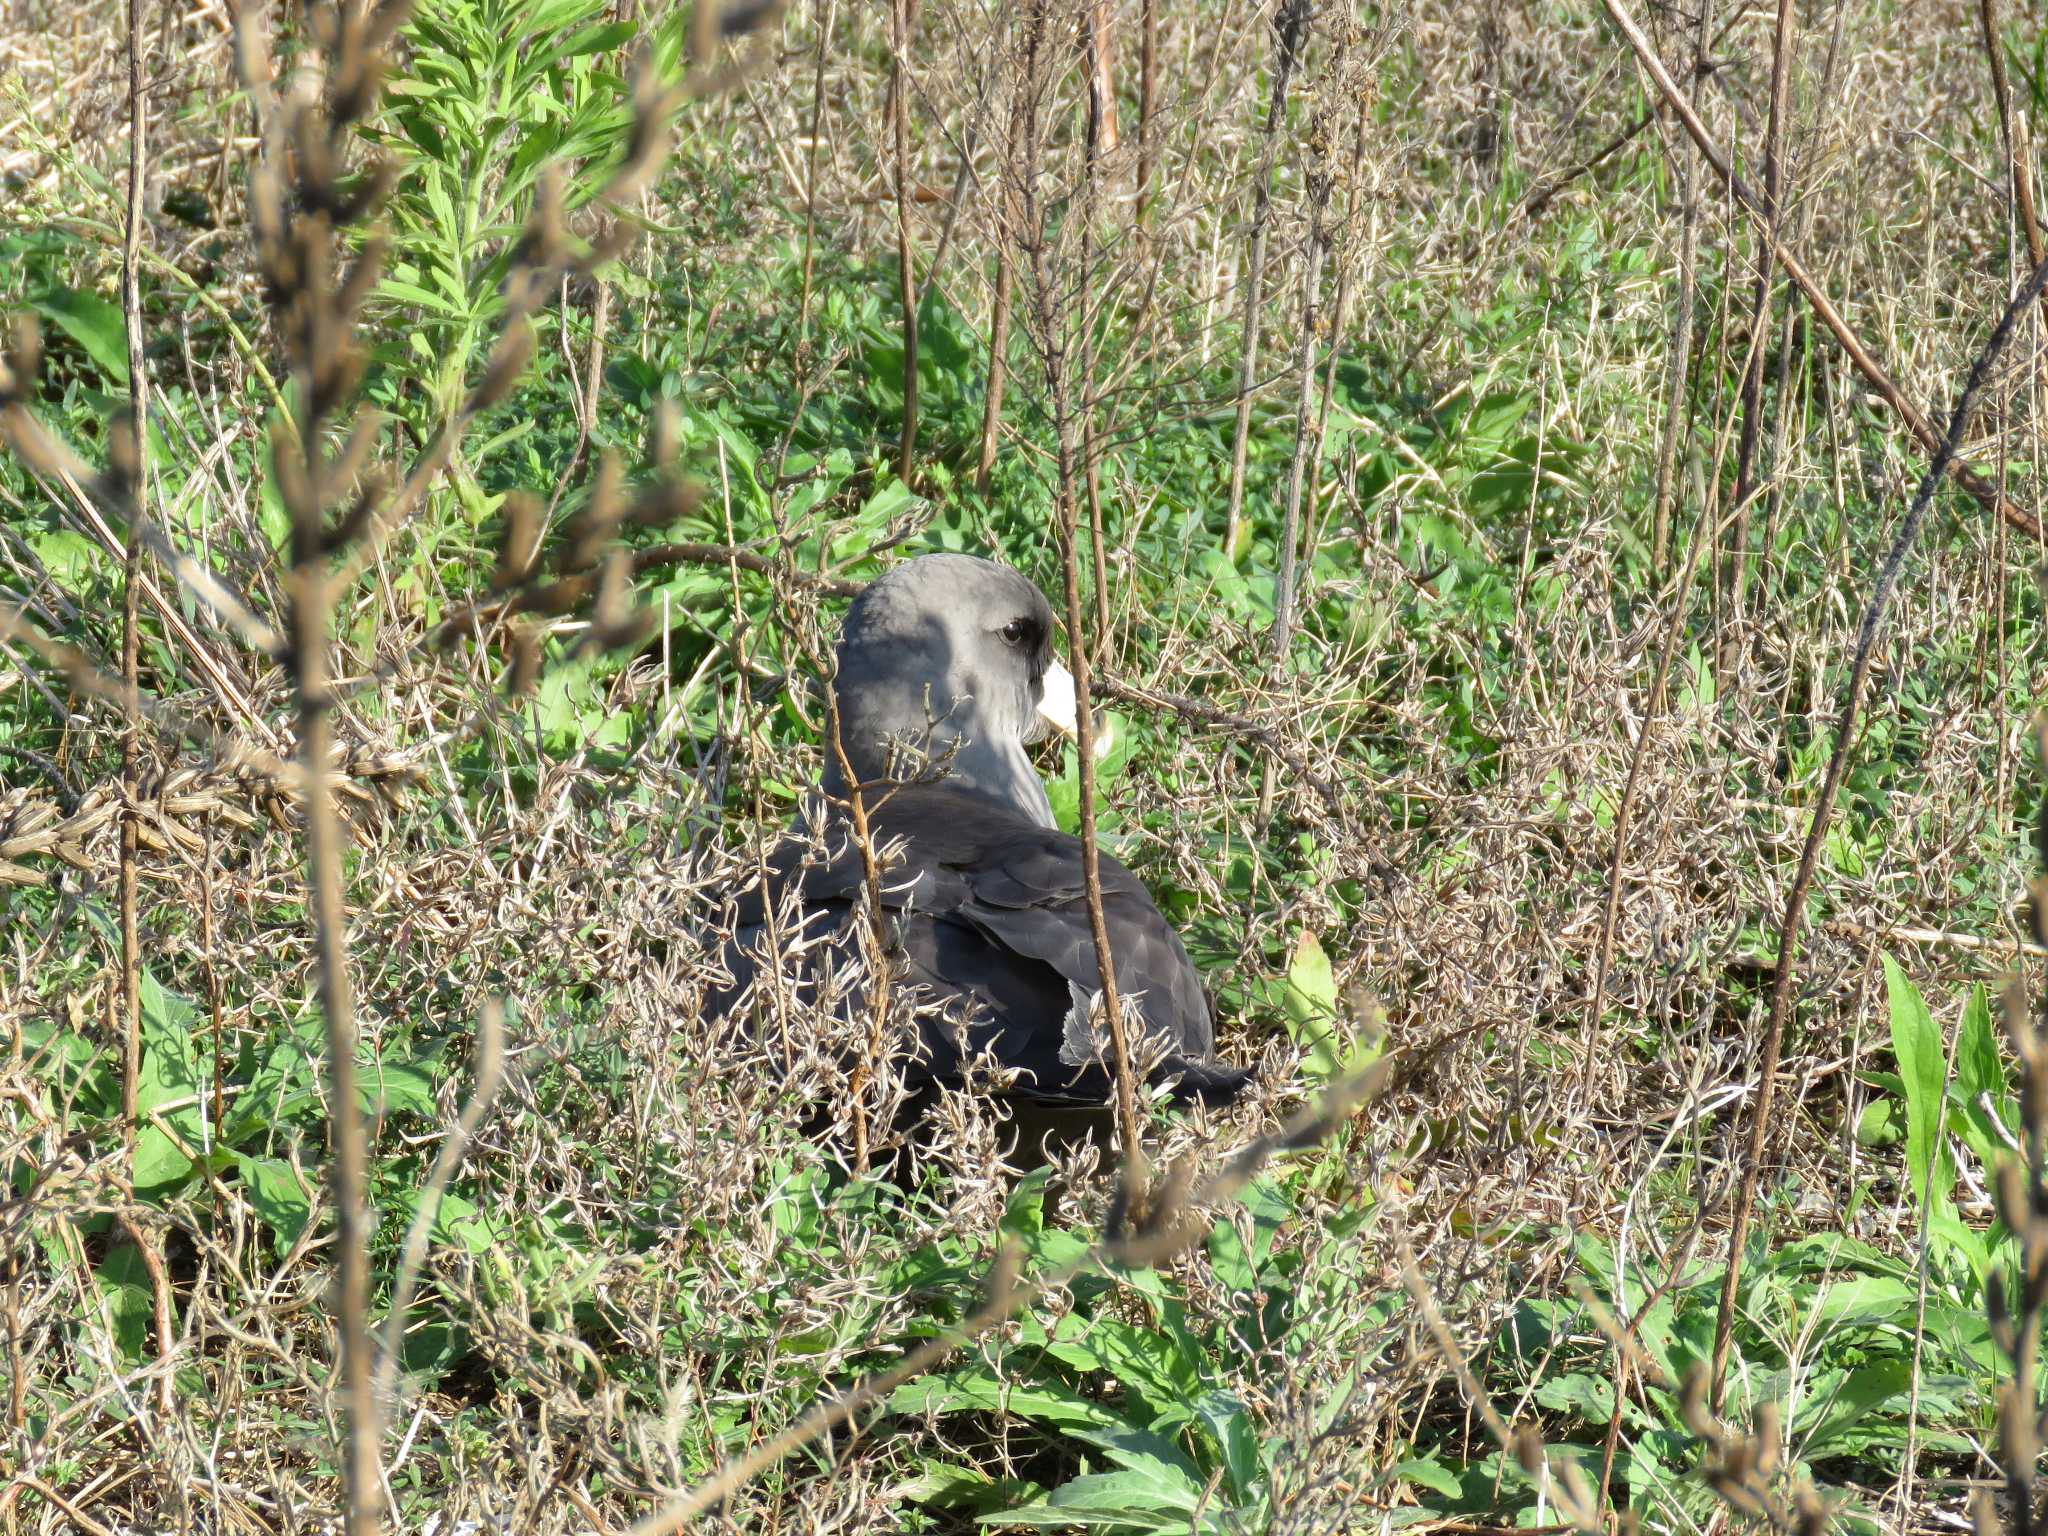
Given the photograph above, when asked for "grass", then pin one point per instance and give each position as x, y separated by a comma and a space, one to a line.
642, 1267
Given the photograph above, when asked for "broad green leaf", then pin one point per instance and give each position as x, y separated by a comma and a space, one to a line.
1923, 1069
399, 1086
1311, 1002
1230, 1425
123, 1281
1024, 1215
1839, 1399
457, 1221
1164, 1466
972, 1389
160, 1167
1229, 1258
1587, 1397
93, 323
273, 1189
1431, 1474
1862, 1301
1984, 1103
948, 1485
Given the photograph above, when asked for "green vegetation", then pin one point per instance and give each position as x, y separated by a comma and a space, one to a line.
1394, 843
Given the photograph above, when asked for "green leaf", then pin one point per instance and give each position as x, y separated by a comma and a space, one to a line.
1431, 1474
973, 1389
1586, 1397
67, 554
1923, 1070
1862, 1301
123, 1281
1313, 1020
273, 1189
401, 1087
1230, 1424
1230, 1259
1164, 1466
948, 1485
93, 323
457, 1221
1986, 1111
161, 1169
1840, 1399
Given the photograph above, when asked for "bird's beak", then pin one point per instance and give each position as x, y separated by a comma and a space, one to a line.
1057, 707
1056, 701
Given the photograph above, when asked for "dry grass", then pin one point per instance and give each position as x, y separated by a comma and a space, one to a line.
629, 1147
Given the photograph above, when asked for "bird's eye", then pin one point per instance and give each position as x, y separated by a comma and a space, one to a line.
1017, 631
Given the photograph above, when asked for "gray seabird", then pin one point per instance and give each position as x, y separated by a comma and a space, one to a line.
946, 672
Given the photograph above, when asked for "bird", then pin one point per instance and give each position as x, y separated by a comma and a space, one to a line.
945, 673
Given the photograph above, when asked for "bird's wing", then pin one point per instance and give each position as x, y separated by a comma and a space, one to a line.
1033, 898
990, 912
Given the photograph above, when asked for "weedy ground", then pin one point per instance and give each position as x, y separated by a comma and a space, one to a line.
1395, 838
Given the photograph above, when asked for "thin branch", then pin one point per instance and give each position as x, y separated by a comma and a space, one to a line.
899, 96
1916, 421
1290, 27
1173, 1228
490, 1076
1838, 762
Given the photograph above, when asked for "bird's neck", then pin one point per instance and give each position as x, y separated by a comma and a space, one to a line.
1003, 775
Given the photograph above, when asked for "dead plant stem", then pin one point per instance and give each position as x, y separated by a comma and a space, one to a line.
1288, 27
899, 13
1915, 420
1845, 730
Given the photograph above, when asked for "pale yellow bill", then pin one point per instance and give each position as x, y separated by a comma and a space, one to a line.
1058, 707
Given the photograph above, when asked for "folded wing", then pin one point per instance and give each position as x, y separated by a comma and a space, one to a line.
989, 916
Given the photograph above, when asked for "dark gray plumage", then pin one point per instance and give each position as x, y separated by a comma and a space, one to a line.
986, 907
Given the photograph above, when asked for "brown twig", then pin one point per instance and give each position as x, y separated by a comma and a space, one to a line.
489, 1077
1148, 96
1290, 27
899, 97
824, 10
1007, 228
1751, 438
1301, 463
1051, 337
1679, 358
2019, 175
1172, 1228
1838, 761
1987, 494
136, 474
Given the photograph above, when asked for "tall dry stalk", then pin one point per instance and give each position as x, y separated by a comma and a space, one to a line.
1874, 615
300, 207
1053, 335
1678, 362
1776, 128
133, 466
1290, 32
135, 473
1007, 223
1301, 463
2019, 175
1148, 101
906, 266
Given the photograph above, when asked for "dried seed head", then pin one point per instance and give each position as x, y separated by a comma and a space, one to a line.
520, 543
525, 670
23, 361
